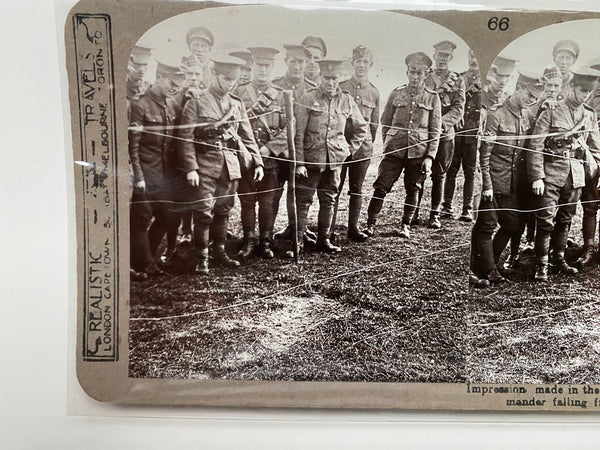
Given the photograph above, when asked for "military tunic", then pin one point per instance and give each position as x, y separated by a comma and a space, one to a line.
411, 125
321, 145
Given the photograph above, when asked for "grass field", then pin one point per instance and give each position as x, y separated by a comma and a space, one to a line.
384, 310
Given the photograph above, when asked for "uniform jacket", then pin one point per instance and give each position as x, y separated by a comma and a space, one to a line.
472, 113
149, 150
506, 128
321, 122
266, 112
450, 86
298, 87
366, 97
411, 123
555, 170
208, 157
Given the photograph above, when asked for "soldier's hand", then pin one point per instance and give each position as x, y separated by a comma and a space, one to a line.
301, 172
487, 195
259, 173
538, 187
426, 164
192, 178
139, 186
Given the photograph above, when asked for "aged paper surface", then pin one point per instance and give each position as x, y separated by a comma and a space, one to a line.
387, 323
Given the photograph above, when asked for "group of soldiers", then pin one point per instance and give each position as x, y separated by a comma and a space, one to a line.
539, 155
215, 128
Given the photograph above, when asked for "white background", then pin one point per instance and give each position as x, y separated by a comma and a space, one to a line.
35, 291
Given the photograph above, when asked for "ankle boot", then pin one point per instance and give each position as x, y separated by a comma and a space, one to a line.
541, 272
202, 262
249, 245
221, 258
562, 265
264, 245
589, 253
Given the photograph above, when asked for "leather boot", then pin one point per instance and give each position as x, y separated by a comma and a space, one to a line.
264, 245
434, 221
494, 277
201, 262
354, 206
561, 264
354, 234
404, 231
369, 229
249, 245
325, 246
587, 259
221, 258
541, 272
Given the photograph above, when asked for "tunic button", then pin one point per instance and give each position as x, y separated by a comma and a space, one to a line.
328, 129
357, 97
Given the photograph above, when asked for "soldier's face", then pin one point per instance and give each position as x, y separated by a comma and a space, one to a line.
330, 83
167, 86
245, 75
227, 81
362, 66
312, 66
295, 66
262, 71
581, 94
442, 59
552, 88
193, 77
564, 60
200, 48
525, 97
499, 81
136, 71
416, 76
473, 64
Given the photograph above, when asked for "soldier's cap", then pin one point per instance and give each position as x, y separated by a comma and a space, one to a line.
227, 65
330, 67
503, 65
243, 54
199, 33
445, 47
141, 55
552, 73
595, 64
192, 65
263, 54
297, 51
169, 70
568, 45
360, 52
316, 42
531, 81
418, 60
585, 77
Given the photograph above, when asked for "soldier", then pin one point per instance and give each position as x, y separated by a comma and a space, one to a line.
296, 57
210, 155
465, 152
323, 115
500, 158
451, 88
200, 41
246, 72
555, 167
149, 147
318, 50
136, 69
264, 104
411, 126
565, 54
367, 98
498, 76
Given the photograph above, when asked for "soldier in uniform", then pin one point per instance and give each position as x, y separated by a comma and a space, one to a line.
498, 76
465, 152
366, 97
264, 104
500, 158
200, 41
451, 88
556, 169
296, 57
136, 69
318, 50
149, 151
209, 156
324, 116
246, 71
411, 126
565, 54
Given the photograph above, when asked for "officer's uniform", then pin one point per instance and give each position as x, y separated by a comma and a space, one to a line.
465, 151
501, 159
366, 96
450, 86
411, 124
149, 153
214, 153
321, 146
266, 110
559, 162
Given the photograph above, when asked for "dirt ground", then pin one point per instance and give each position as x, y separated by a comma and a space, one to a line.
384, 310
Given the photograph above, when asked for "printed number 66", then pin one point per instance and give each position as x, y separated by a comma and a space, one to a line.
501, 24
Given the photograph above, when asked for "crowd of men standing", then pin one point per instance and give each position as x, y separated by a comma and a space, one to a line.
215, 127
539, 157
